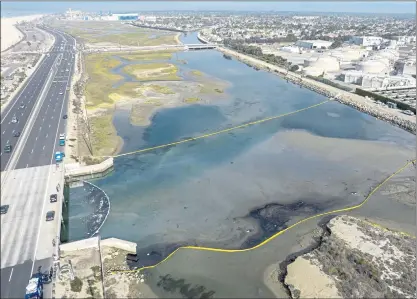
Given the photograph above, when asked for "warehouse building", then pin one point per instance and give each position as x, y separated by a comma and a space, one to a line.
122, 17
313, 44
367, 41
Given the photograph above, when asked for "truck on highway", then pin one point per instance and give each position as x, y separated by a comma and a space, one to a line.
34, 289
62, 139
59, 156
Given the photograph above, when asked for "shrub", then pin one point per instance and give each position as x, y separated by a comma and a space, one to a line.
76, 285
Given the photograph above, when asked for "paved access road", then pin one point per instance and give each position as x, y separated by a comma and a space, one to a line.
23, 103
26, 239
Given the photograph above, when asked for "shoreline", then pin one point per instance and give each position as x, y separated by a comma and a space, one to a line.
10, 34
177, 38
319, 271
350, 99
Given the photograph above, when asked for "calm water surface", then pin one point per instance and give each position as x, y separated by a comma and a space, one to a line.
205, 191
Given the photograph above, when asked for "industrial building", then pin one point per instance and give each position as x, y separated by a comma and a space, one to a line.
73, 14
321, 65
406, 95
313, 44
367, 41
376, 81
147, 18
123, 17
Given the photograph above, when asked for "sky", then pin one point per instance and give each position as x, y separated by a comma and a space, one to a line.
397, 7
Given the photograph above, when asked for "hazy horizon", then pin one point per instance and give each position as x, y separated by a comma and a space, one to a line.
386, 7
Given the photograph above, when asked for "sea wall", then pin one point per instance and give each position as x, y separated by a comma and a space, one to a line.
76, 172
93, 242
347, 98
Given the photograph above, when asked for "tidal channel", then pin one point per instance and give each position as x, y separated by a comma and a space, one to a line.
235, 189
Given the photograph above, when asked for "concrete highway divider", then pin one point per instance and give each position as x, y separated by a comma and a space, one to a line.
28, 126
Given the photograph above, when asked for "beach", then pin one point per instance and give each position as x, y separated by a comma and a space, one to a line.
10, 35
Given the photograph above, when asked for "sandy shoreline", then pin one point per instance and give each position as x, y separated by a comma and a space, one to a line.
355, 250
10, 35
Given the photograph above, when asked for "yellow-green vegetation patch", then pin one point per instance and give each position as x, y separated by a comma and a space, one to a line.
153, 102
104, 137
159, 55
135, 117
100, 79
153, 71
160, 89
131, 39
208, 88
196, 73
99, 91
192, 100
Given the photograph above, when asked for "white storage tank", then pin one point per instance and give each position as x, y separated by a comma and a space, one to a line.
374, 67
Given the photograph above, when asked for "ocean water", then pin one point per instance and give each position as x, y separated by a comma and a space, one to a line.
235, 189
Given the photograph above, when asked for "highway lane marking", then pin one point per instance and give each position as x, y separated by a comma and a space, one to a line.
11, 273
46, 190
27, 83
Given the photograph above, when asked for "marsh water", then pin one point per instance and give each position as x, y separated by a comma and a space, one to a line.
237, 188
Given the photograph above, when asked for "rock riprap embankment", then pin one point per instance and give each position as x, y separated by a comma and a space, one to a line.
355, 259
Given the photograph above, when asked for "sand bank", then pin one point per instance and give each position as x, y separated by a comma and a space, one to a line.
10, 35
356, 258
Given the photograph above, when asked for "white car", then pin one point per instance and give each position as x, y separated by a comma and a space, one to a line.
408, 112
14, 119
62, 136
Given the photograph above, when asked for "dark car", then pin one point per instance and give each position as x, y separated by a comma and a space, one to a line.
53, 198
4, 209
8, 148
50, 215
65, 116
17, 134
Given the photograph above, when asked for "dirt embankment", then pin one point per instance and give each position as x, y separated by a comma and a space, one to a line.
355, 259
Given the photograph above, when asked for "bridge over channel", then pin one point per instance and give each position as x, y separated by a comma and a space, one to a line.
133, 48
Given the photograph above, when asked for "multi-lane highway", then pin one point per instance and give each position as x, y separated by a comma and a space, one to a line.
25, 100
29, 174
